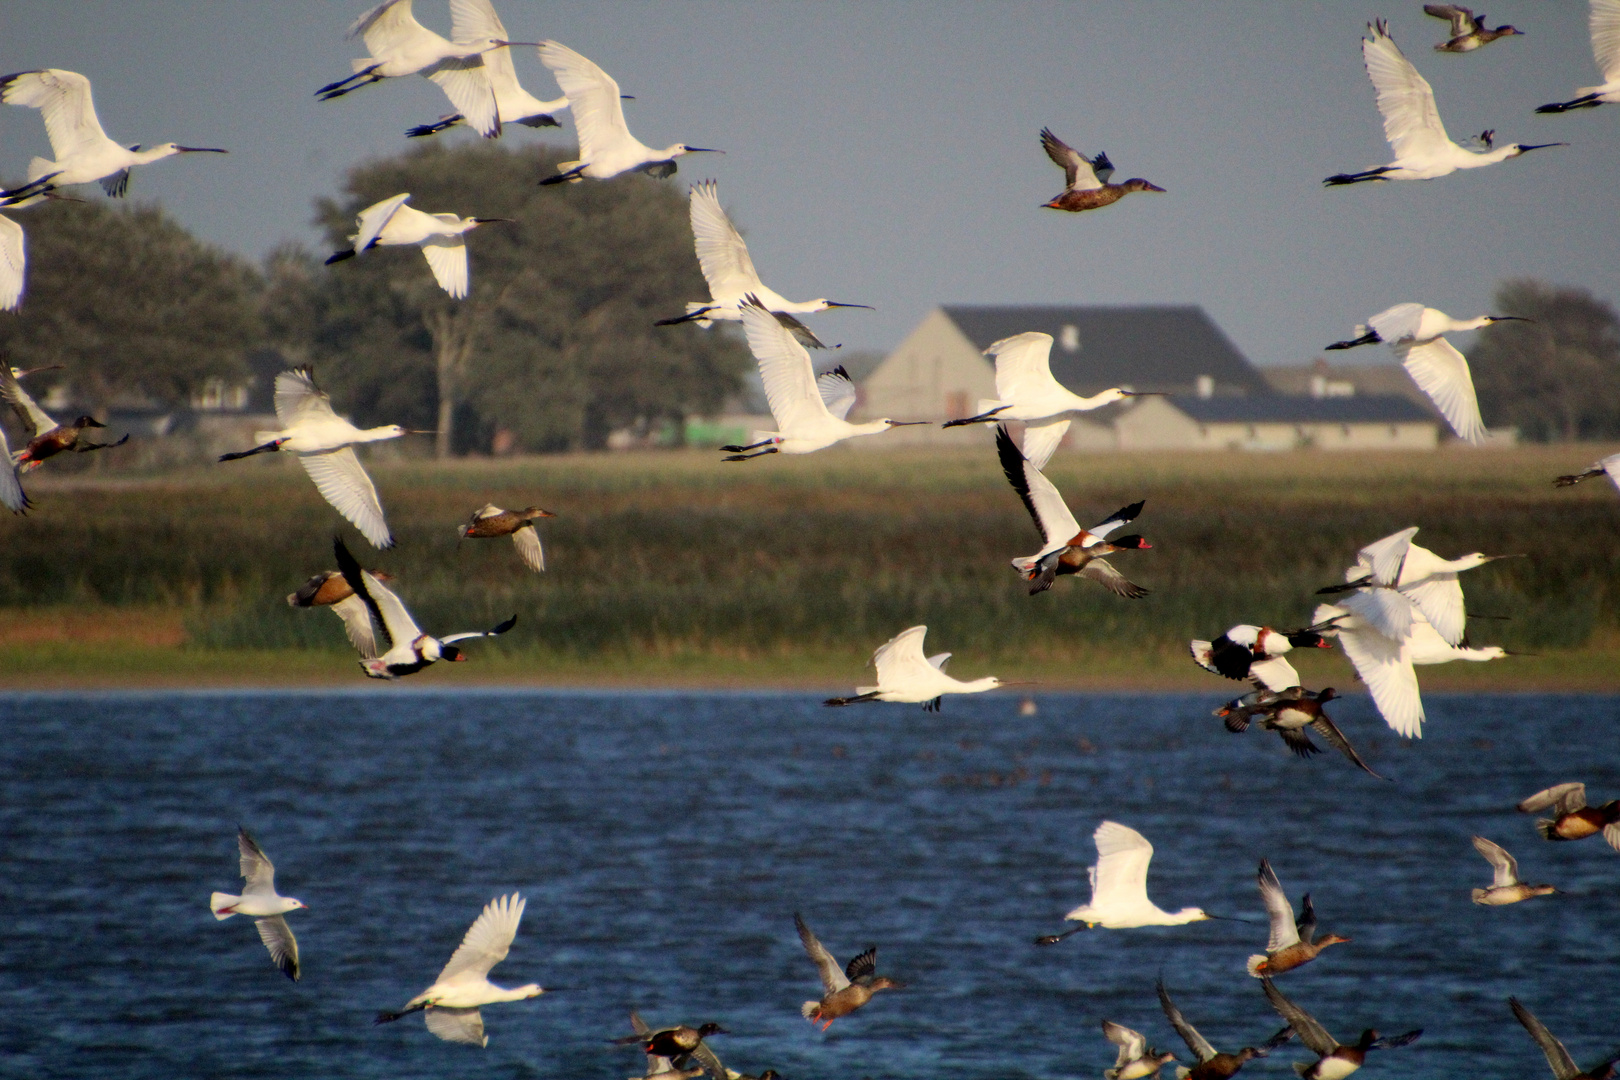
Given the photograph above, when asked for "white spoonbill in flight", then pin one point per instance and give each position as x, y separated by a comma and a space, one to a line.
1605, 23
409, 649
442, 238
1119, 899
1068, 549
475, 20
83, 152
809, 411
907, 676
1414, 333
13, 252
400, 46
1026, 391
1423, 150
260, 900
606, 147
324, 443
450, 1006
731, 275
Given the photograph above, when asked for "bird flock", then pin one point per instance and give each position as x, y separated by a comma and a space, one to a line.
1400, 605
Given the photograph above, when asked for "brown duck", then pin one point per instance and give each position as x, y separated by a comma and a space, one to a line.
1292, 943
1468, 30
518, 524
1505, 888
1335, 1060
846, 990
47, 438
1563, 1066
328, 589
1572, 819
680, 1044
1086, 178
1212, 1063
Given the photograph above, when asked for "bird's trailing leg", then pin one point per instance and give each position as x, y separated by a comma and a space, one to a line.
688, 317
441, 124
386, 1017
852, 700
269, 447
750, 446
562, 178
1339, 179
339, 256
1053, 939
352, 83
1369, 338
982, 418
1589, 101
1572, 480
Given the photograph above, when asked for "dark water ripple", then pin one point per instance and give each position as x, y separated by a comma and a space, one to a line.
664, 842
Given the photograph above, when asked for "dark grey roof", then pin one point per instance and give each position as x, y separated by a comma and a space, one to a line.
1145, 348
1289, 409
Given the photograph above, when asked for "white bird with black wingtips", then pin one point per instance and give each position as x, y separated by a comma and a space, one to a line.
450, 1006
261, 902
84, 153
324, 443
730, 272
409, 649
809, 412
1423, 150
513, 105
606, 147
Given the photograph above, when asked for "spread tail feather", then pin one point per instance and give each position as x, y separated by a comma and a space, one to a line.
1545, 827
220, 901
810, 1010
1479, 895
1255, 963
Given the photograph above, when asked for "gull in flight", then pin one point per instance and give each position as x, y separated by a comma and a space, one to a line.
1292, 942
450, 1006
1423, 150
442, 238
809, 410
1213, 1064
1334, 1059
732, 279
606, 147
83, 152
328, 589
409, 649
1505, 887
400, 46
1413, 333
1068, 548
324, 443
260, 900
906, 676
1026, 391
1085, 180
844, 989
474, 20
1119, 899
1468, 31
492, 521
1605, 24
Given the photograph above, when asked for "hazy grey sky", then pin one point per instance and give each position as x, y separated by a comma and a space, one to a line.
886, 153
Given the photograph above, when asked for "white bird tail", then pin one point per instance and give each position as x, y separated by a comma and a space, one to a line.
860, 690
693, 305
1025, 563
810, 1010
220, 901
1254, 964
262, 437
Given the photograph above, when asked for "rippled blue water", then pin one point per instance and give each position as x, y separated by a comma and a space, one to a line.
665, 840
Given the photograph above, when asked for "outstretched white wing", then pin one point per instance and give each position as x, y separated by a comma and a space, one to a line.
1393, 324
27, 409
720, 248
1405, 99
374, 219
1042, 439
1605, 24
1275, 673
1505, 866
357, 625
344, 483
258, 871
1442, 372
1023, 366
12, 261
486, 941
64, 102
11, 492
901, 657
1383, 557
1052, 515
1123, 855
1385, 666
527, 541
1078, 173
592, 95
784, 367
398, 625
447, 258
465, 81
386, 27
1279, 911
456, 1025
837, 391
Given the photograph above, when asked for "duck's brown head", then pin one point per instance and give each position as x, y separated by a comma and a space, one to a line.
1136, 183
532, 512
1330, 939
883, 982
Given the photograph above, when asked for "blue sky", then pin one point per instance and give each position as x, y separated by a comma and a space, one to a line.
886, 153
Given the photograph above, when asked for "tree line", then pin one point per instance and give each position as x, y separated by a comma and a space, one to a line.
554, 347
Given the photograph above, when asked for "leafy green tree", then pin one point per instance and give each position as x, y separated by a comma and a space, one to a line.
555, 343
130, 303
1557, 377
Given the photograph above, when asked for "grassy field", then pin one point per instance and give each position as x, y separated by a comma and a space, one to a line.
675, 569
